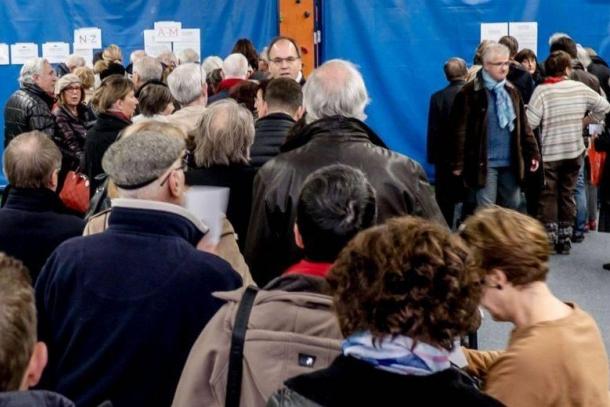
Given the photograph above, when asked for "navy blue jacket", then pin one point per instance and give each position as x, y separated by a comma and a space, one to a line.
120, 310
33, 222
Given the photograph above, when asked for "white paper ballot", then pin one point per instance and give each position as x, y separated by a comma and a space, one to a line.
87, 54
23, 51
152, 47
526, 34
4, 54
189, 38
595, 128
167, 31
209, 204
88, 38
55, 52
493, 31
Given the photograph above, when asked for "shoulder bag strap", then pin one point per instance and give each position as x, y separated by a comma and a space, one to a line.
237, 347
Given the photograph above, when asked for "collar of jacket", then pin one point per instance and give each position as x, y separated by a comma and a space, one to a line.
227, 84
479, 85
33, 199
34, 398
328, 127
155, 217
35, 90
108, 121
276, 116
283, 288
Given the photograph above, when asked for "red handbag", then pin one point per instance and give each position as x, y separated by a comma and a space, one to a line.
596, 161
75, 192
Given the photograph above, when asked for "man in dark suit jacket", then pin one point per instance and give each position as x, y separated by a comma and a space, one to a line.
447, 185
33, 220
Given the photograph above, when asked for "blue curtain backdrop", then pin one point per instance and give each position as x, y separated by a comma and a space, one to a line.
123, 22
401, 46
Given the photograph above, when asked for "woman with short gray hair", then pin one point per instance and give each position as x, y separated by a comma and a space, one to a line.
222, 140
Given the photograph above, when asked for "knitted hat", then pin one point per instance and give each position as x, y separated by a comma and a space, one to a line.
65, 81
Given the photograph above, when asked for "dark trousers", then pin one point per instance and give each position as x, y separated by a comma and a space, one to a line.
448, 190
556, 202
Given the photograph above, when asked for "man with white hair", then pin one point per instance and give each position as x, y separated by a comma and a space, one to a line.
188, 86
234, 71
75, 61
133, 57
494, 143
334, 97
29, 108
146, 69
188, 55
126, 305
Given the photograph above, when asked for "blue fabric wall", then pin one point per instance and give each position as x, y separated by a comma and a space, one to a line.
401, 46
122, 23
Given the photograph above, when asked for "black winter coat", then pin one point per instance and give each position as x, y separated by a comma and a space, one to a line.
439, 130
522, 80
33, 222
271, 132
400, 182
238, 178
103, 133
28, 109
352, 382
71, 131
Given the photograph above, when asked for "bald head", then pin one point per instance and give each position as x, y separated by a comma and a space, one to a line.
336, 88
455, 69
30, 161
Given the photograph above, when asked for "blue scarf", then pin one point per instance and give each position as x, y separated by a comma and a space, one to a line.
397, 354
504, 104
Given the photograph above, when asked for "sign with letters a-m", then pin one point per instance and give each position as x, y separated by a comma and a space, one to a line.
167, 31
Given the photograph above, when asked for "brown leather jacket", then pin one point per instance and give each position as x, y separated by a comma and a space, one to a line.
469, 121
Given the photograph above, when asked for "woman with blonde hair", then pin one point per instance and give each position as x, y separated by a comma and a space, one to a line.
115, 103
555, 354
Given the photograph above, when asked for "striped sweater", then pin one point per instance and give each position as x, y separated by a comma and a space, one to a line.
559, 110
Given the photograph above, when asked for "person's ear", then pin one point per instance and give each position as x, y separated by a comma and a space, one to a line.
176, 184
497, 277
298, 239
53, 181
299, 113
36, 365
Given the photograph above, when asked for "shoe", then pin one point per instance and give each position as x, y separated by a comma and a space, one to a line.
563, 247
592, 226
606, 266
577, 238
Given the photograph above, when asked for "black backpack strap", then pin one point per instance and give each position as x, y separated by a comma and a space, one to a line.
237, 347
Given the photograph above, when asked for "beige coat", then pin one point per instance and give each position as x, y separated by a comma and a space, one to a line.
283, 325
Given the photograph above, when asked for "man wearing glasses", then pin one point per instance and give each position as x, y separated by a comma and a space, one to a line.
126, 305
494, 144
285, 59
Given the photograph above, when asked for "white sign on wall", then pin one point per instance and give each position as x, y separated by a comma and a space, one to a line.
88, 38
23, 51
167, 31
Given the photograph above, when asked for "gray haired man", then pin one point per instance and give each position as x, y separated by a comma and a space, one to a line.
29, 108
138, 293
334, 97
188, 86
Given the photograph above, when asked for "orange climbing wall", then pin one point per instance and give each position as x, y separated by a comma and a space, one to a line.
297, 21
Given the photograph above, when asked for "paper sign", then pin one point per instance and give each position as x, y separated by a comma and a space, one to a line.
4, 55
526, 34
209, 204
88, 38
23, 51
55, 52
167, 31
493, 31
152, 47
189, 38
87, 54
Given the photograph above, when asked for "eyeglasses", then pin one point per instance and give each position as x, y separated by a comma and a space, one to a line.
498, 64
290, 60
72, 88
183, 166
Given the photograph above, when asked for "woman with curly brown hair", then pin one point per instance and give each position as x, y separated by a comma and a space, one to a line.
403, 295
555, 355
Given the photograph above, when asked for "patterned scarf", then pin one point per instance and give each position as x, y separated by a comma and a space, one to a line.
397, 355
504, 104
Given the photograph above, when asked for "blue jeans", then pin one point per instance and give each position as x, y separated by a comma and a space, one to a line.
500, 188
580, 197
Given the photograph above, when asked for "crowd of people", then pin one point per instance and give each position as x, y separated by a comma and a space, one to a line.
340, 276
